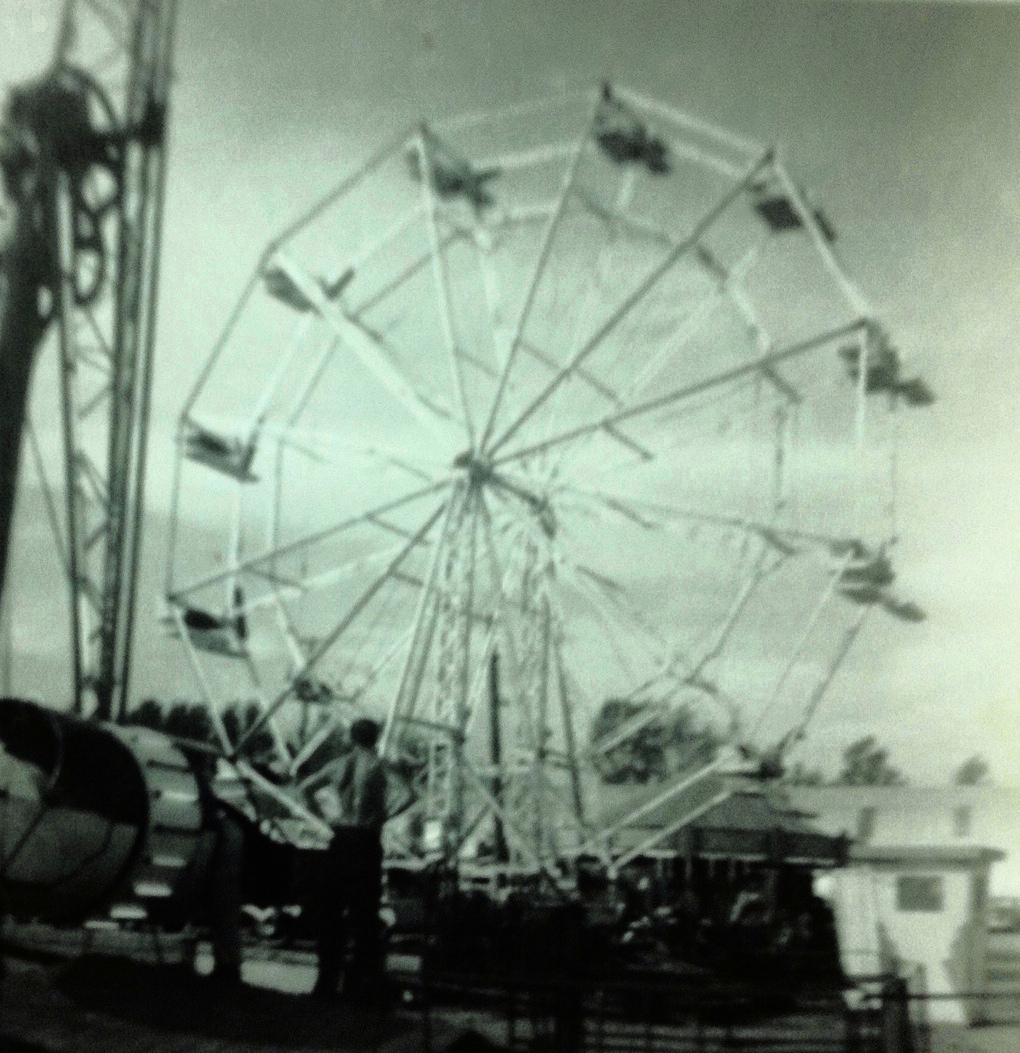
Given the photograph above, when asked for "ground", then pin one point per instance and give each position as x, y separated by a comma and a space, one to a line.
953, 1038
97, 1005
94, 1004
1002, 1034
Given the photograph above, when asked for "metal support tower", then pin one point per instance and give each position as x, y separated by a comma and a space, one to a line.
91, 159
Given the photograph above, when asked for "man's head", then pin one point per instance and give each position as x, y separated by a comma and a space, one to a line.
365, 733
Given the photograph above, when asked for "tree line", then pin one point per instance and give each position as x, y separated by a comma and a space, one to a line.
662, 743
631, 742
192, 722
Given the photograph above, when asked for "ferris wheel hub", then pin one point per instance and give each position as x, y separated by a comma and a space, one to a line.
476, 467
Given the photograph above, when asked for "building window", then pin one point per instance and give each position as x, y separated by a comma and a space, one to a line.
865, 824
961, 821
919, 893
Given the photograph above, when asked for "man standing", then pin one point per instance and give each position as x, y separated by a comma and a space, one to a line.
353, 802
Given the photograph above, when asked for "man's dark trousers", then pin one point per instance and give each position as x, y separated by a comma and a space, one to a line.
349, 906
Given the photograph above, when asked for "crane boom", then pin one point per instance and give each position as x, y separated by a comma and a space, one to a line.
82, 153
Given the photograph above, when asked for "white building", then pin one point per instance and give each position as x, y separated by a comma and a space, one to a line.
921, 912
943, 816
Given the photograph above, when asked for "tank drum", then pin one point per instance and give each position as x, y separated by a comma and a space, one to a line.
73, 812
169, 870
94, 816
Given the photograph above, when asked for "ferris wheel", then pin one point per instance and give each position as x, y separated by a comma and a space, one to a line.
541, 407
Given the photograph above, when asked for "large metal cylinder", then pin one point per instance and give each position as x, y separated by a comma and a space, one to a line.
92, 816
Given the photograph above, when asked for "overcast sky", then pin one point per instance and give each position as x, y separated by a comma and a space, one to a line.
899, 118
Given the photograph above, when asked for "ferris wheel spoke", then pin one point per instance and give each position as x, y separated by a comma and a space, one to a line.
425, 145
657, 516
295, 588
423, 629
505, 609
664, 657
548, 241
615, 594
655, 711
569, 732
664, 446
462, 705
688, 391
283, 618
678, 823
726, 289
657, 801
295, 807
258, 413
352, 613
856, 300
629, 302
826, 598
645, 513
595, 603
306, 441
370, 348
204, 687
403, 276
390, 149
380, 247
337, 716
325, 357
732, 280
291, 636
717, 637
680, 672
651, 714
821, 688
283, 753
479, 680
588, 378
255, 564
309, 440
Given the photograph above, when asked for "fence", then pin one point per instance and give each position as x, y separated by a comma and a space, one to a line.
682, 1014
673, 1014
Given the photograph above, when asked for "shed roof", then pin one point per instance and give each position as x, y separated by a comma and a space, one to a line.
941, 856
754, 822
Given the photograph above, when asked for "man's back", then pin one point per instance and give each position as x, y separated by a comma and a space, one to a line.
362, 790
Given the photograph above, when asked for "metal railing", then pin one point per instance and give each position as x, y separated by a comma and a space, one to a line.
671, 1014
658, 1013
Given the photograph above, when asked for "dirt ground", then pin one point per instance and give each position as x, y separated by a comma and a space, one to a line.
954, 1038
99, 1005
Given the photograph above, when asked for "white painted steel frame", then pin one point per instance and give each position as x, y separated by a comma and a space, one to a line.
523, 621
106, 342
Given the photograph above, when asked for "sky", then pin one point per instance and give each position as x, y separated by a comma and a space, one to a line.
900, 118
